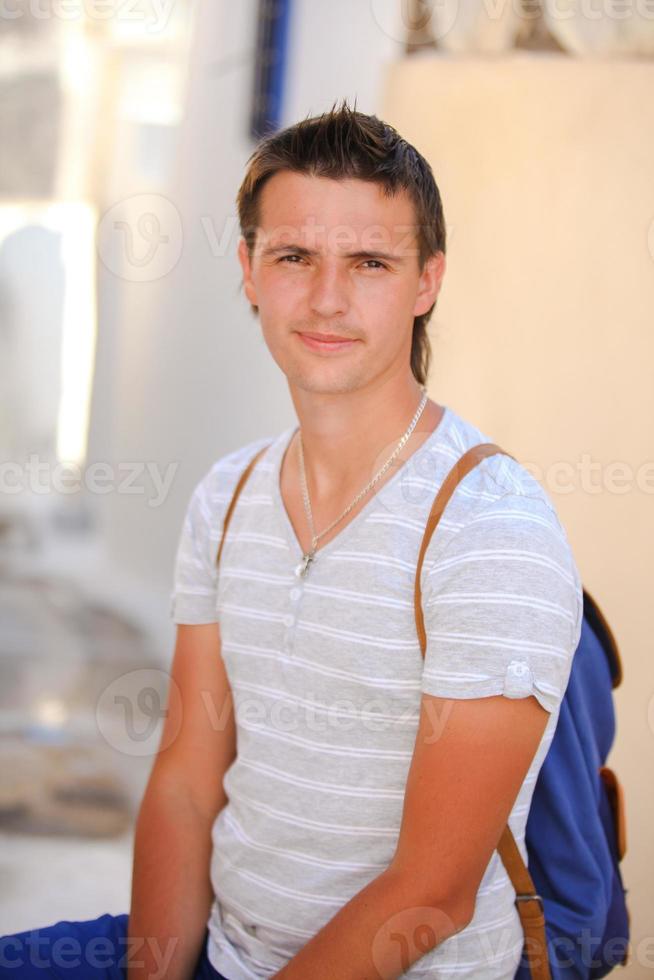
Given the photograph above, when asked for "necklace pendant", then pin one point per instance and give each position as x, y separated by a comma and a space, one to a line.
301, 568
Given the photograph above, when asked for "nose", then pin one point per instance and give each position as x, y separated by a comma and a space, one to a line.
329, 290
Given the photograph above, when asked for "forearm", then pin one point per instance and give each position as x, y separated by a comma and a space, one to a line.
379, 933
171, 888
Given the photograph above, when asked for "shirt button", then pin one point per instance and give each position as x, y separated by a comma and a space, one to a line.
295, 593
288, 620
518, 679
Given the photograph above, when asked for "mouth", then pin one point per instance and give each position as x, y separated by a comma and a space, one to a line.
327, 342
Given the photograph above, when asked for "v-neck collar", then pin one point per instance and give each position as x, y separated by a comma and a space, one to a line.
345, 533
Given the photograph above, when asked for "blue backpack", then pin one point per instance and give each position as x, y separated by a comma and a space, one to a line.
570, 896
575, 833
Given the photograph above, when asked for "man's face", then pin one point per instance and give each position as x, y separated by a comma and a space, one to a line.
337, 257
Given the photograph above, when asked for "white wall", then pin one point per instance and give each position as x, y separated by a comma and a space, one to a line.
340, 49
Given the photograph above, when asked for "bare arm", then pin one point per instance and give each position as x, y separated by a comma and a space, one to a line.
171, 888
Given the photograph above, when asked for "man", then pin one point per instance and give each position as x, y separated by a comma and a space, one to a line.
325, 803
354, 835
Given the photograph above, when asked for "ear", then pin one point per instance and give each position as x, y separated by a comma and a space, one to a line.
429, 283
246, 267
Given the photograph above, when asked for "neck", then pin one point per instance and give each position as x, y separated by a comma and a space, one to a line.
347, 437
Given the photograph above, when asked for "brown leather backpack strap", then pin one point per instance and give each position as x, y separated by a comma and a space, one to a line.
529, 903
530, 906
237, 489
462, 466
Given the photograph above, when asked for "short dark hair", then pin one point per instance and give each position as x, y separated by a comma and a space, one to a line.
344, 143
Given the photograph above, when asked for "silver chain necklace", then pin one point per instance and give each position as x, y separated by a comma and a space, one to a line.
309, 557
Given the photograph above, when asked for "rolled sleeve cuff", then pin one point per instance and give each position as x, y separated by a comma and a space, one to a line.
192, 609
516, 681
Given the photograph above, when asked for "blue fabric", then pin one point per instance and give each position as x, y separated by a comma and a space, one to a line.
570, 834
93, 949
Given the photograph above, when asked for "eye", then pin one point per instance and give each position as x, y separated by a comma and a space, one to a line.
378, 264
293, 255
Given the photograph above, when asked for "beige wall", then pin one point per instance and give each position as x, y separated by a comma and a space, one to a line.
543, 333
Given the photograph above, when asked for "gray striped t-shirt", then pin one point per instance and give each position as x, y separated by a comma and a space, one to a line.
327, 674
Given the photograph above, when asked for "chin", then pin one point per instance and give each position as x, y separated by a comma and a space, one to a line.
324, 383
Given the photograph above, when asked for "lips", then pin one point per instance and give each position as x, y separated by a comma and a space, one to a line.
326, 337
328, 342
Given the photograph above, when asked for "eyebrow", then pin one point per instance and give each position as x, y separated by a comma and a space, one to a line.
310, 253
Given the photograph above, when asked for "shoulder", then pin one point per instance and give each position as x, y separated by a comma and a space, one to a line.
498, 483
502, 527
